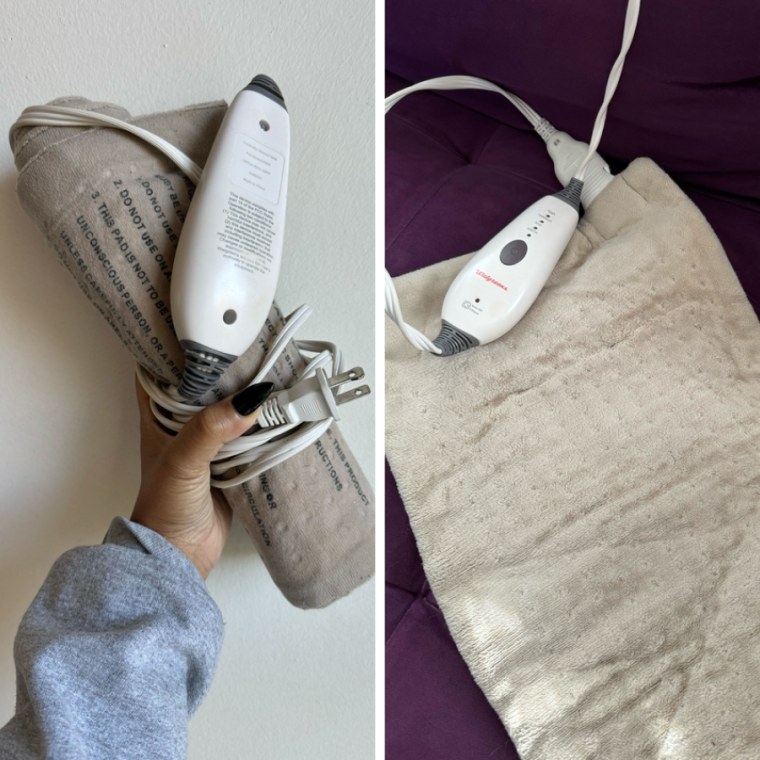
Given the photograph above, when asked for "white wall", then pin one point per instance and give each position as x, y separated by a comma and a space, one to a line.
291, 684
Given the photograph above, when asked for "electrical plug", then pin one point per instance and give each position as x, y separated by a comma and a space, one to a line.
567, 153
312, 399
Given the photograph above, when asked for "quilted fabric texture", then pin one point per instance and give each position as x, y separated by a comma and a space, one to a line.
460, 165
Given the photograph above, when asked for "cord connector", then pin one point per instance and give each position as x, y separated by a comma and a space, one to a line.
312, 399
568, 154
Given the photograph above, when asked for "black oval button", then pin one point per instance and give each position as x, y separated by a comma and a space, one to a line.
513, 253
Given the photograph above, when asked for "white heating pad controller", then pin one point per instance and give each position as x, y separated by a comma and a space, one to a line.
495, 288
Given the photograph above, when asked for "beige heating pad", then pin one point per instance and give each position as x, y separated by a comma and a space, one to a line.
584, 492
112, 208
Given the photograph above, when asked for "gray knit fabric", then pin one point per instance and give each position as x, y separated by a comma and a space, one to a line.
115, 653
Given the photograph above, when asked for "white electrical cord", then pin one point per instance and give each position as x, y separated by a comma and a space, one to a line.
262, 449
392, 303
393, 310
629, 28
544, 129
61, 116
465, 83
251, 454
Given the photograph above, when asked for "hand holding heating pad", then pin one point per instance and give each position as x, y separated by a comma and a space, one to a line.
113, 210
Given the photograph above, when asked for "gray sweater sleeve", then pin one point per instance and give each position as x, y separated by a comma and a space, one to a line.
114, 654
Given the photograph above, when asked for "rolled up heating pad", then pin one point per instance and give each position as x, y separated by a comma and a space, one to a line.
112, 207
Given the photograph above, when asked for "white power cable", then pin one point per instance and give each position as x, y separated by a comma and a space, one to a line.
393, 310
392, 303
462, 82
251, 454
61, 116
260, 450
629, 28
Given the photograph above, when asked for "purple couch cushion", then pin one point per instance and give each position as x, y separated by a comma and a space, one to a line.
434, 710
689, 96
461, 165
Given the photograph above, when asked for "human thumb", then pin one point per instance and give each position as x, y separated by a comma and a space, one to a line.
201, 438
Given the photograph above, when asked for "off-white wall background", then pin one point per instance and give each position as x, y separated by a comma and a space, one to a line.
290, 684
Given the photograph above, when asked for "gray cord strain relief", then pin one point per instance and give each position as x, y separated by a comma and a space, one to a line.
571, 193
203, 368
267, 86
262, 80
545, 129
451, 340
270, 414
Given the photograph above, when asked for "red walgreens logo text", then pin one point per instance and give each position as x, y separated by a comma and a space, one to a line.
488, 278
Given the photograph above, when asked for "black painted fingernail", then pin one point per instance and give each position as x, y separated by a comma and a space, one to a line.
251, 398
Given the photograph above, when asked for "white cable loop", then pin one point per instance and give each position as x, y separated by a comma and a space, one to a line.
61, 116
392, 304
393, 310
262, 449
465, 83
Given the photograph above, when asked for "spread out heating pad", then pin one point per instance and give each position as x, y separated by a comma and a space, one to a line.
112, 208
584, 492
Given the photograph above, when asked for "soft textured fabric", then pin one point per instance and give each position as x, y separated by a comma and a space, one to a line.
584, 491
114, 654
434, 709
113, 209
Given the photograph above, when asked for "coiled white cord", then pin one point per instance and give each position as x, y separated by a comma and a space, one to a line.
262, 449
393, 310
252, 454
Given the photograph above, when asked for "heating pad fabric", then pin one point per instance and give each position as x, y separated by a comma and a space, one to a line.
112, 208
584, 492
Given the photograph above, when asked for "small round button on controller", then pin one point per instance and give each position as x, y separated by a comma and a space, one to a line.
513, 252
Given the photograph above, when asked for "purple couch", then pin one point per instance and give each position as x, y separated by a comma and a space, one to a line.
461, 165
